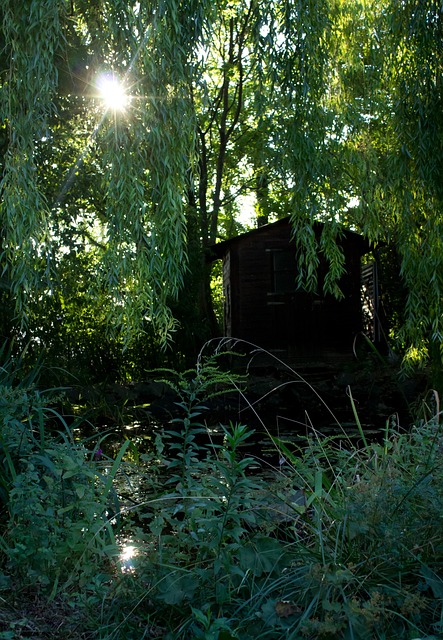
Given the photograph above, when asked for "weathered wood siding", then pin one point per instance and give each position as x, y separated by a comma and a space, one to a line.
263, 306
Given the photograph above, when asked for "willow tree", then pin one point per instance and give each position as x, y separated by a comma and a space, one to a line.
416, 187
387, 94
365, 150
143, 155
323, 109
167, 169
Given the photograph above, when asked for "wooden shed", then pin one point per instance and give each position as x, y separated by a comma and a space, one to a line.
263, 305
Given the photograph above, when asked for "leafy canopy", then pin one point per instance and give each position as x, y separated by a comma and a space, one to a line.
324, 109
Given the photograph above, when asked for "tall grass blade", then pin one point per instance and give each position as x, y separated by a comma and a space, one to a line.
110, 476
356, 417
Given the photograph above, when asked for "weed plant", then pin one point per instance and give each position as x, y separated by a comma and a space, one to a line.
53, 494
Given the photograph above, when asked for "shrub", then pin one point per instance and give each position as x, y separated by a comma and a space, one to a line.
54, 499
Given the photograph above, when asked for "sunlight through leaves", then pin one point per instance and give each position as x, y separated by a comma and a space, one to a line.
113, 92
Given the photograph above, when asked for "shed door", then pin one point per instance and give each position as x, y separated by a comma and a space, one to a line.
298, 316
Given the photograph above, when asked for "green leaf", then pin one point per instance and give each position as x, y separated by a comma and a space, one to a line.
80, 490
262, 555
433, 581
176, 587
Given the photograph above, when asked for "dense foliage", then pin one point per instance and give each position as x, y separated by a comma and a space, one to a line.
327, 109
343, 539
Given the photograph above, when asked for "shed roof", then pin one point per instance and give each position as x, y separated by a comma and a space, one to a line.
219, 249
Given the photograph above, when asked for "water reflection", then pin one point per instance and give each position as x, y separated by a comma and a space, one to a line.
127, 555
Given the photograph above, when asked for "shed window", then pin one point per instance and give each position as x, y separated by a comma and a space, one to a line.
283, 271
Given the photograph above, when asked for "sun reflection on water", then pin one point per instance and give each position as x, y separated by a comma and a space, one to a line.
127, 555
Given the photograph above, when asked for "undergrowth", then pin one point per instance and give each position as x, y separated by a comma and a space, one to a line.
342, 541
54, 493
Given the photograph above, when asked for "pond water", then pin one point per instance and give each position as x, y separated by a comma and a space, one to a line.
273, 407
286, 410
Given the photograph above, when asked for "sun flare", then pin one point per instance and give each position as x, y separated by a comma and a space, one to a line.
113, 93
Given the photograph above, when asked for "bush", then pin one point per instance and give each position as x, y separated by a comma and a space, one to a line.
54, 499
